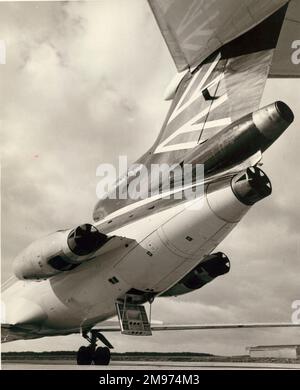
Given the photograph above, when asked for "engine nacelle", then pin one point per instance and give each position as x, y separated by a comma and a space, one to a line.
58, 252
242, 139
209, 269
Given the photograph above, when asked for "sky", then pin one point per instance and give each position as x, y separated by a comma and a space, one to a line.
84, 83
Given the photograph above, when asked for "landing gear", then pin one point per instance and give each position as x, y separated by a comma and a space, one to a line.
102, 356
85, 356
99, 356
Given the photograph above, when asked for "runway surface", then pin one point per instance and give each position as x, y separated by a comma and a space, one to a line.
144, 365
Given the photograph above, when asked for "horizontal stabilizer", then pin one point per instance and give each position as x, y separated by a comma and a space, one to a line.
286, 61
194, 29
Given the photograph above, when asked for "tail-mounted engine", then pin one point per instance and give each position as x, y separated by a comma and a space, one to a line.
209, 269
244, 138
58, 252
85, 239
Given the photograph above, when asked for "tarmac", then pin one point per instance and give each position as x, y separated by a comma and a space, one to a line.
144, 365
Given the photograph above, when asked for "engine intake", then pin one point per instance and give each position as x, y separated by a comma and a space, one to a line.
58, 252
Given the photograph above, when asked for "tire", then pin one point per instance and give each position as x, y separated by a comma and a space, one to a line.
102, 356
84, 356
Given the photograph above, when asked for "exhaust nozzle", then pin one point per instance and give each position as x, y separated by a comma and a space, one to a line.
273, 120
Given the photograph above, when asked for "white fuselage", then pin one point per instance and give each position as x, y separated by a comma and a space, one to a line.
165, 247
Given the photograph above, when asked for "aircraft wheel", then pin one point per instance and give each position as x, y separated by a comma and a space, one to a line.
102, 356
85, 356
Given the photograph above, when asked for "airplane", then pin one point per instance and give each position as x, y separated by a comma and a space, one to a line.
161, 244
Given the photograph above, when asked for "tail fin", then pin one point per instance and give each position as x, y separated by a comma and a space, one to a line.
227, 86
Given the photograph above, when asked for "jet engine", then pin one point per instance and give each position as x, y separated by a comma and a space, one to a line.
209, 269
247, 136
58, 252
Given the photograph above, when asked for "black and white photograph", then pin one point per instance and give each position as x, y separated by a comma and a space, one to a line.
150, 192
